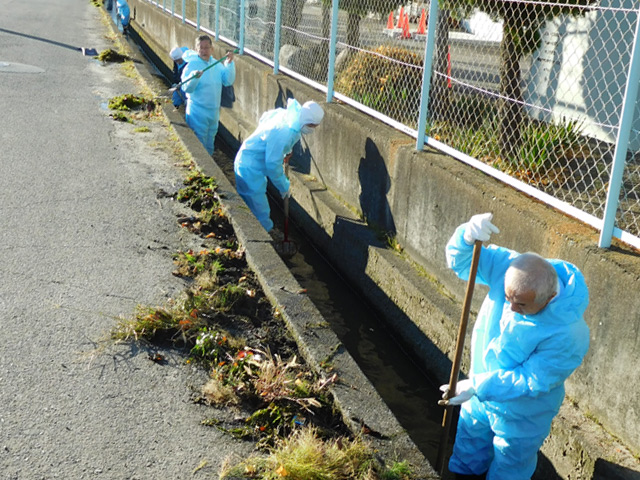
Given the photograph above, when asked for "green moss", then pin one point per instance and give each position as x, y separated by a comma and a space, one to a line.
121, 117
110, 55
126, 102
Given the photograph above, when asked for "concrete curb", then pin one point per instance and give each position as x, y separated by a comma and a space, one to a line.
354, 395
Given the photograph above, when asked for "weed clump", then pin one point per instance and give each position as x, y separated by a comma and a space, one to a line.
200, 193
126, 102
306, 455
110, 55
120, 117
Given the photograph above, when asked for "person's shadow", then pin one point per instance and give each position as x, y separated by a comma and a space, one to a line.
375, 184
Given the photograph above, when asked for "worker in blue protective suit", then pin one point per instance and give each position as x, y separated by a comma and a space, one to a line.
176, 54
123, 14
262, 154
528, 338
205, 90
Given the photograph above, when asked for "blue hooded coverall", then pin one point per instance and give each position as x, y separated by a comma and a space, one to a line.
203, 95
123, 12
518, 366
178, 96
261, 156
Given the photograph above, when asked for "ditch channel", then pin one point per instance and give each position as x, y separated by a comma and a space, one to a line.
409, 392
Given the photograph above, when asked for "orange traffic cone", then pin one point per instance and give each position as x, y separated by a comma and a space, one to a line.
405, 27
422, 24
400, 18
390, 25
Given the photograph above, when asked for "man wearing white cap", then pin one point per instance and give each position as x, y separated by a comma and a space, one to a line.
261, 155
178, 65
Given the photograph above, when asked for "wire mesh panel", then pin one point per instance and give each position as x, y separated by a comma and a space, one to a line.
208, 14
191, 10
304, 38
527, 93
177, 7
381, 48
260, 18
230, 19
628, 217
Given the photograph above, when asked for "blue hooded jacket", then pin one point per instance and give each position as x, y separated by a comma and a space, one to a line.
519, 362
206, 99
261, 154
123, 12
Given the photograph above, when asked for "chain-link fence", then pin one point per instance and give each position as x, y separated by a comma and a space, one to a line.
532, 89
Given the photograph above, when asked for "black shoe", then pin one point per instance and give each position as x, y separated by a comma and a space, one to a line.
460, 476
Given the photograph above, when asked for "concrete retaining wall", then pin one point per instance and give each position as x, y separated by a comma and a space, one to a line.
355, 167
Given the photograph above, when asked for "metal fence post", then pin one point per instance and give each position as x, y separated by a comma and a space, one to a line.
622, 142
241, 27
198, 15
164, 4
173, 7
217, 22
332, 49
429, 52
276, 37
184, 7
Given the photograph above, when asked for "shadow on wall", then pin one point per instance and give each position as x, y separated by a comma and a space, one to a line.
302, 156
283, 96
545, 469
375, 183
605, 470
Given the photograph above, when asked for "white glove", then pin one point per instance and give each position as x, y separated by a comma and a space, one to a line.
464, 392
479, 227
286, 194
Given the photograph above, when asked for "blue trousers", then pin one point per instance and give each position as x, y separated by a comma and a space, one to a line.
204, 124
255, 196
478, 449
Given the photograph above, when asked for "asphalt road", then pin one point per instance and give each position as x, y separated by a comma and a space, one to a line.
86, 234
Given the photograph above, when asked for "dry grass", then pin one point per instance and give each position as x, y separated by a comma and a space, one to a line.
305, 456
216, 392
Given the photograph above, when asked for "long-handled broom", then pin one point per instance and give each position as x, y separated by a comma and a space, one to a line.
286, 248
455, 368
178, 85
